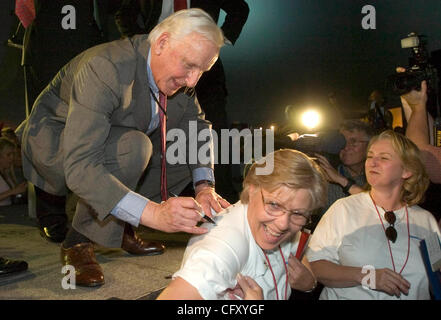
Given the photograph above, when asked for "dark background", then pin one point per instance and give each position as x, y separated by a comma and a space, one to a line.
290, 52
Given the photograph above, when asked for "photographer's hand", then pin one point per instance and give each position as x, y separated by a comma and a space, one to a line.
331, 173
417, 127
333, 176
420, 129
416, 100
414, 106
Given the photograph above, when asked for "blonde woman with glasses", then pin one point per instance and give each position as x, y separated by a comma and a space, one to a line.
366, 246
256, 238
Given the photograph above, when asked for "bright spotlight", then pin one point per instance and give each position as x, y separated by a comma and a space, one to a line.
310, 119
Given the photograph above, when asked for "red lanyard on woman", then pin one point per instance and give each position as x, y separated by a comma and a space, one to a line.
274, 277
388, 242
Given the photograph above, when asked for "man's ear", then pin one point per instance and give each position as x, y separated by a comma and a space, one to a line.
161, 43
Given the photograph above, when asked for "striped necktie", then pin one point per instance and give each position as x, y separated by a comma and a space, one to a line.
163, 125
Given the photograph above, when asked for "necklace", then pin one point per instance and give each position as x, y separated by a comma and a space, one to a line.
274, 277
388, 242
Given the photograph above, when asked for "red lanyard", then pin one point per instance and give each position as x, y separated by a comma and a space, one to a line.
388, 242
274, 277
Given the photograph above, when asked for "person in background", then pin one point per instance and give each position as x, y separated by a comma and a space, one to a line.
48, 46
349, 177
9, 188
415, 110
420, 130
257, 237
379, 117
17, 171
366, 246
9, 267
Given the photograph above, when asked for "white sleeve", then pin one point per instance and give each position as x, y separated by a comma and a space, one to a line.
212, 262
327, 236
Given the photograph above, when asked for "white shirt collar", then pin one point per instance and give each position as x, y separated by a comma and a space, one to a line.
150, 77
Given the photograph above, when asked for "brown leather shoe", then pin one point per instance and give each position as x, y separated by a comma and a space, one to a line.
134, 245
87, 270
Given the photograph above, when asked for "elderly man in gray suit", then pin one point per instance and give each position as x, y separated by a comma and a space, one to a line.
94, 130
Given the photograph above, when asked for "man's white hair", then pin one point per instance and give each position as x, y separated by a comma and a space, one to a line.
184, 22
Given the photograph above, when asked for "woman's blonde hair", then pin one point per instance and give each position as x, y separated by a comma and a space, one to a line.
415, 186
292, 169
184, 22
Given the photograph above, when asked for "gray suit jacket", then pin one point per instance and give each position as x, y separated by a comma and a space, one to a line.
64, 139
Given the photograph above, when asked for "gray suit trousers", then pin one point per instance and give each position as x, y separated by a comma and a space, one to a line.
134, 159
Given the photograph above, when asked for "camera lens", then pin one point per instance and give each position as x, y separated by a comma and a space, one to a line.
402, 83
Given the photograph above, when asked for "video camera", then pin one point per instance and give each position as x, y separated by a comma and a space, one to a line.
419, 68
328, 143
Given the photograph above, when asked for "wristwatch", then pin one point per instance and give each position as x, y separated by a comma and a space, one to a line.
348, 186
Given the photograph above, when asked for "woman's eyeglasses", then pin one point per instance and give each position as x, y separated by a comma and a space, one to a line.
355, 142
276, 210
391, 232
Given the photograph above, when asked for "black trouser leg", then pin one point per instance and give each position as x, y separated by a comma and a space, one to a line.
50, 209
51, 215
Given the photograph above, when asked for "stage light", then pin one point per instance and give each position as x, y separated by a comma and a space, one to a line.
310, 119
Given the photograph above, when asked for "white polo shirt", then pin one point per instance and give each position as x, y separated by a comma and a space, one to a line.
351, 234
212, 261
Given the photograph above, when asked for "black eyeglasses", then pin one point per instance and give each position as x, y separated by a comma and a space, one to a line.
391, 232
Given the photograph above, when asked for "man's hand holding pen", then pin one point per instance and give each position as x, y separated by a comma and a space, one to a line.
204, 216
182, 214
177, 214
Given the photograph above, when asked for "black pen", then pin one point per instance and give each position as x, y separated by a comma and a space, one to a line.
204, 216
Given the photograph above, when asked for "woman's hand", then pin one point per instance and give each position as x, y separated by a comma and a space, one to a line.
391, 282
246, 289
299, 276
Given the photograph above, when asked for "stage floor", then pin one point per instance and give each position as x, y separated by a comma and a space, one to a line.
126, 277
